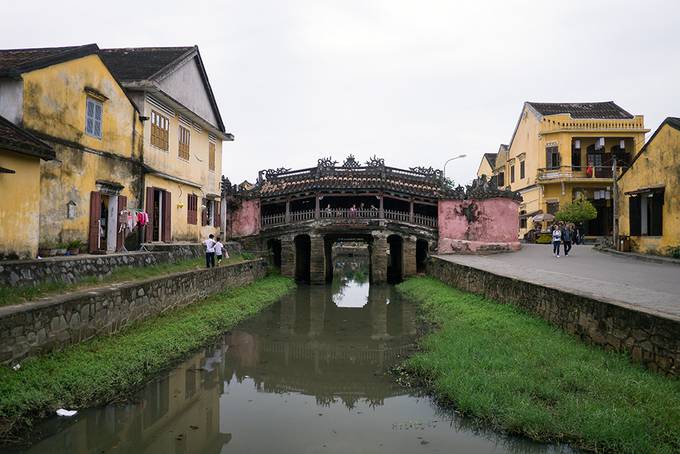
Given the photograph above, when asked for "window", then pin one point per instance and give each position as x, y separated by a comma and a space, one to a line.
93, 118
512, 173
192, 209
160, 130
207, 216
523, 223
184, 140
646, 214
576, 155
553, 207
211, 156
522, 170
501, 179
552, 158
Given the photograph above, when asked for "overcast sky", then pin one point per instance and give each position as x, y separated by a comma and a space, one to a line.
414, 82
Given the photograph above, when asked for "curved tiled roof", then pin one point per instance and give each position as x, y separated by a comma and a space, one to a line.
15, 138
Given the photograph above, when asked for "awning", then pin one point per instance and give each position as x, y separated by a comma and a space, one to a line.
650, 189
4, 170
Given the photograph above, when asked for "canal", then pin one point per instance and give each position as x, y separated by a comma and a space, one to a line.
306, 376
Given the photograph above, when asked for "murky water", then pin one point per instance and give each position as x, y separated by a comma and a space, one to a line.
306, 376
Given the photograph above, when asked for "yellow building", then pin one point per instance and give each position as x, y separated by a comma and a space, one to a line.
649, 193
183, 134
487, 165
20, 156
67, 97
560, 151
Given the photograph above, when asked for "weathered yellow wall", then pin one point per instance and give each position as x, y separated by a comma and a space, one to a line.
195, 170
658, 165
20, 204
55, 105
181, 229
484, 168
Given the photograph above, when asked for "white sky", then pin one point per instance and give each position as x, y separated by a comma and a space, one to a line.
414, 82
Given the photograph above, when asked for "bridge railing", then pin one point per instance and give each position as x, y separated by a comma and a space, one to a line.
344, 214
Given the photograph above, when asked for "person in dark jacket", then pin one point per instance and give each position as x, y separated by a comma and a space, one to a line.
567, 234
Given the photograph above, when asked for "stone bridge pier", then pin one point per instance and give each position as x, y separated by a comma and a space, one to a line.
307, 256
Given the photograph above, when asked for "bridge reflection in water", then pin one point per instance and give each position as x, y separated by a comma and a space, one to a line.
306, 375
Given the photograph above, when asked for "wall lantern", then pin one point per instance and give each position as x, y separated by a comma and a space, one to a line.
599, 144
622, 144
577, 143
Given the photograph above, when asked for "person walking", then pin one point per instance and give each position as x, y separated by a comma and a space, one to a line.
210, 251
556, 240
566, 239
220, 251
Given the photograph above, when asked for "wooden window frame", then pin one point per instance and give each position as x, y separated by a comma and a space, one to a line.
89, 100
512, 173
160, 135
501, 179
551, 151
192, 209
522, 170
212, 156
183, 143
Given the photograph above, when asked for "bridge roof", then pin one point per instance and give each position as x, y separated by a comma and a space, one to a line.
351, 176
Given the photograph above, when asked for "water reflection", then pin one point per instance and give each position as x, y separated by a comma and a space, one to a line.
305, 376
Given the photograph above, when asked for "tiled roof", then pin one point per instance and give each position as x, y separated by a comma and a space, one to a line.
491, 157
16, 61
606, 109
15, 138
141, 63
673, 121
365, 181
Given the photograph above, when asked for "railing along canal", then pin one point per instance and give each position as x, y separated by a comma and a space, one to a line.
347, 214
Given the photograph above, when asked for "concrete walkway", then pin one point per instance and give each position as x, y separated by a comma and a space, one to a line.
644, 286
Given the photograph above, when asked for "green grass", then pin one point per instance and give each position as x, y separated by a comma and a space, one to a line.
108, 368
519, 374
22, 294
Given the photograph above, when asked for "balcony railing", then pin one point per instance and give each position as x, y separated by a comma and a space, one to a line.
345, 214
569, 172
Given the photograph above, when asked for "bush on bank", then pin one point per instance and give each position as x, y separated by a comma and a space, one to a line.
108, 368
519, 374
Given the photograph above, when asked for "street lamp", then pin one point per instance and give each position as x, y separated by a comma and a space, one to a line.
451, 159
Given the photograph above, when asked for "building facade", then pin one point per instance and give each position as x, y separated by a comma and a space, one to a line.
560, 151
487, 165
69, 99
649, 193
183, 134
20, 156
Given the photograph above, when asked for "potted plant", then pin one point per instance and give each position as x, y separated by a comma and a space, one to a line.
61, 248
46, 250
74, 247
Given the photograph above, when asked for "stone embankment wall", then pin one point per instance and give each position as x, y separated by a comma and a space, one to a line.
649, 339
52, 323
73, 269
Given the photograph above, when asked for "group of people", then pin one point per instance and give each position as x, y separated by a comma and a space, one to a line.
563, 234
214, 249
352, 211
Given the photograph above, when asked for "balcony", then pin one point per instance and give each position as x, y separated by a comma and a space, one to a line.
568, 173
346, 215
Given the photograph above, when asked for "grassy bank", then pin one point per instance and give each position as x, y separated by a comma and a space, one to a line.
521, 375
21, 294
109, 368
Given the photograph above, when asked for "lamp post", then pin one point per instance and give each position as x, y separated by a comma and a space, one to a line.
451, 159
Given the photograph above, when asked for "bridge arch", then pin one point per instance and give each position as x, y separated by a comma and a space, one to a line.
422, 250
303, 257
274, 250
395, 264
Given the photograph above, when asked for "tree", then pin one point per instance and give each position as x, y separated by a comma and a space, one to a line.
577, 211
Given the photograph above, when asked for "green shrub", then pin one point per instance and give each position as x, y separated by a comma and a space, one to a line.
544, 238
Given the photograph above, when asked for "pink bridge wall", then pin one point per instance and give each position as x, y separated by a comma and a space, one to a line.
246, 220
494, 225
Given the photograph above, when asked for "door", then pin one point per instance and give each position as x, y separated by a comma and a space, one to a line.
166, 222
95, 215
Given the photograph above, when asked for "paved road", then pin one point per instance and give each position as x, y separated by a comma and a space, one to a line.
649, 287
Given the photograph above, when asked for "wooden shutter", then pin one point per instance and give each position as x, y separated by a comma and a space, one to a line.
190, 211
120, 236
634, 216
217, 217
95, 214
656, 214
166, 234
150, 211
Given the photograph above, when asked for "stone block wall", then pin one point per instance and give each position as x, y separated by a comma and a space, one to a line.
409, 256
53, 323
72, 269
648, 338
